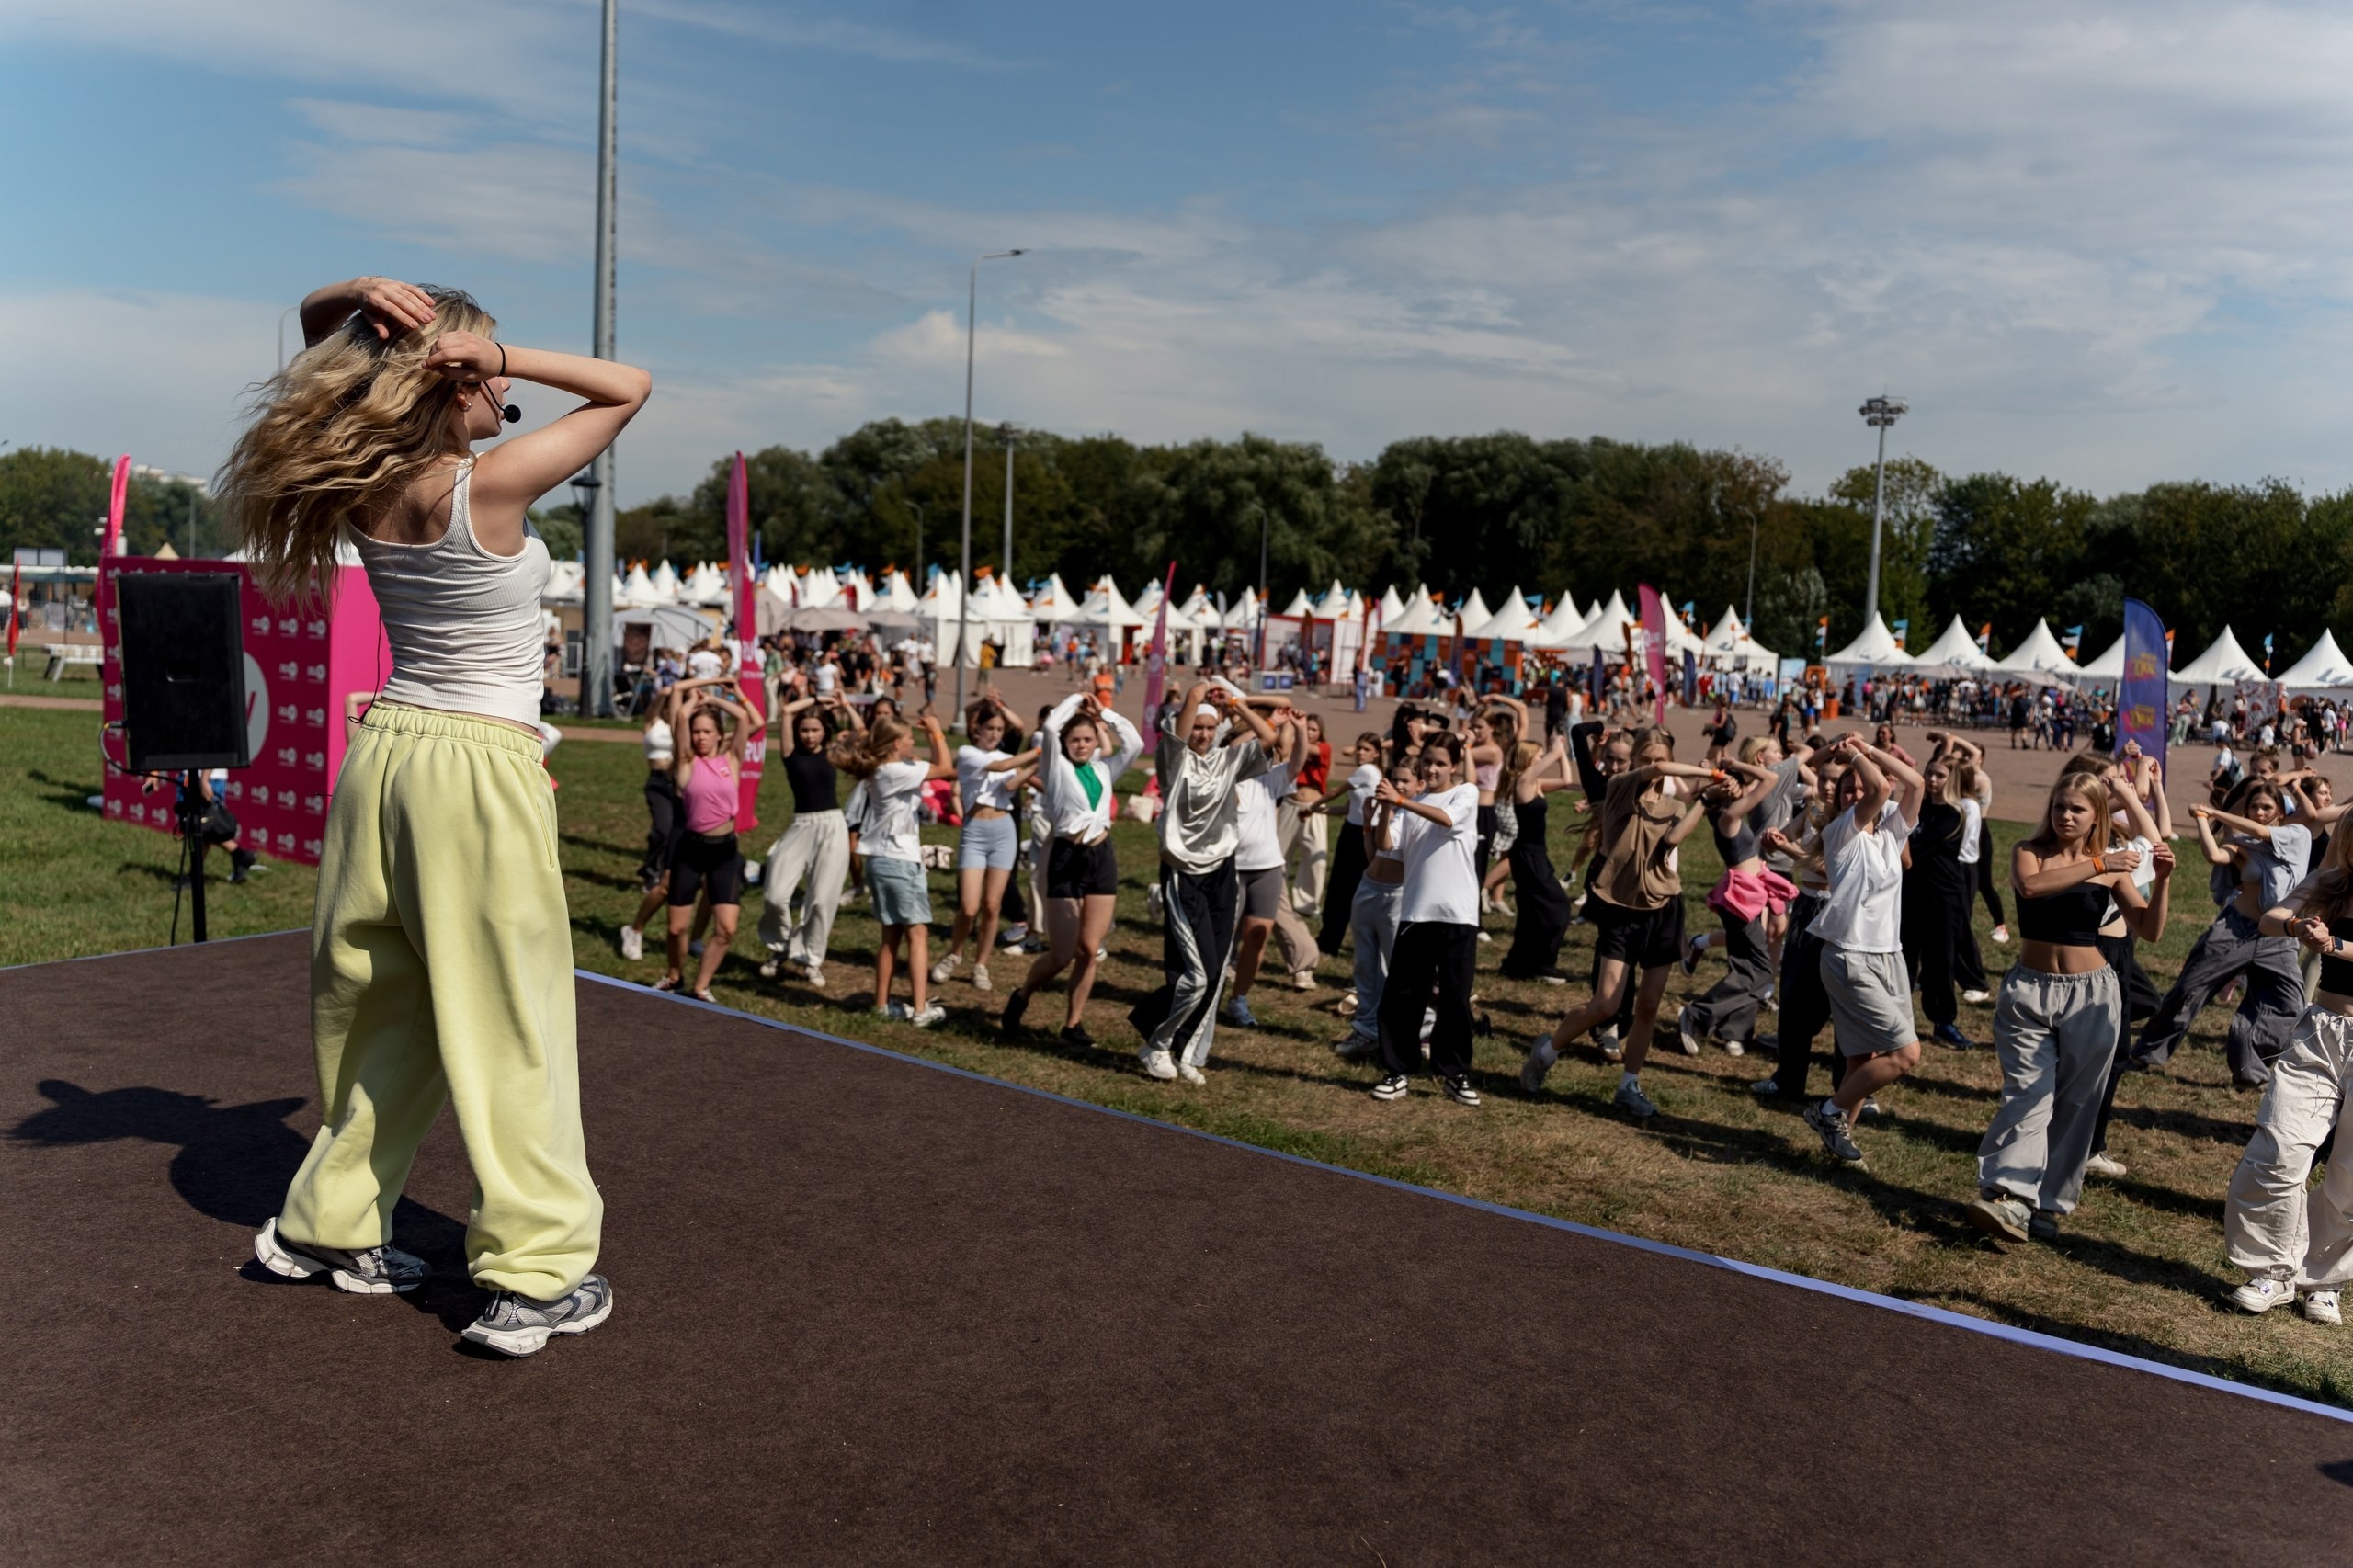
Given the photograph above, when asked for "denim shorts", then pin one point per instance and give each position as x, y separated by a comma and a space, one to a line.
987, 844
902, 892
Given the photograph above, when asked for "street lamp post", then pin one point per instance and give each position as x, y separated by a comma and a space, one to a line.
281, 333
963, 584
585, 486
1010, 431
596, 530
1878, 413
916, 507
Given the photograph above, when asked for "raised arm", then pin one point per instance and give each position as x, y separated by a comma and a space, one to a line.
943, 757
392, 308
1589, 775
1693, 816
2036, 877
787, 716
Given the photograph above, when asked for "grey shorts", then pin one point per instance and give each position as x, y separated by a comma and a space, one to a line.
1871, 1000
987, 844
902, 892
1262, 894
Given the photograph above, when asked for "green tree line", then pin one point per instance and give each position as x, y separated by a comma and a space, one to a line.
1584, 516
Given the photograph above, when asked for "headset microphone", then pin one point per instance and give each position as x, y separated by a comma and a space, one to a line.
512, 414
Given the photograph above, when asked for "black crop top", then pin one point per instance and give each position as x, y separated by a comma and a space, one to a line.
2336, 974
2070, 918
810, 774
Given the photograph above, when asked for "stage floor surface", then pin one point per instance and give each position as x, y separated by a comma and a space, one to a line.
867, 1310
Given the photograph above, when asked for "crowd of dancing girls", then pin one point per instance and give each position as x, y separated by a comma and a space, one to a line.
1850, 873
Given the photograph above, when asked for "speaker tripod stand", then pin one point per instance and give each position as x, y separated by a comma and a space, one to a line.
192, 813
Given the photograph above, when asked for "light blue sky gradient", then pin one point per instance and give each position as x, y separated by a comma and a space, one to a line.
2102, 242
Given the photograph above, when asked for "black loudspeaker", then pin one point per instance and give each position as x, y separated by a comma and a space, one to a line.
183, 670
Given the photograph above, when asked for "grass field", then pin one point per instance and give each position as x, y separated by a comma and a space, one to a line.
2141, 1267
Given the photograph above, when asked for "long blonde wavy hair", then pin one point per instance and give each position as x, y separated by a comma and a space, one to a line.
337, 436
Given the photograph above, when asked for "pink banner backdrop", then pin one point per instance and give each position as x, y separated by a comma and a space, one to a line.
300, 669
1655, 643
743, 589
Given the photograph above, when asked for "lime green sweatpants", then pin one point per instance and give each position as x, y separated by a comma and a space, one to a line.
441, 969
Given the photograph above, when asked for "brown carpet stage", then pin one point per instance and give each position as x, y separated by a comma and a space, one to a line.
871, 1311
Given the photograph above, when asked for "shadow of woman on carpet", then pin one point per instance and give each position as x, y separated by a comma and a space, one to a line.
232, 1165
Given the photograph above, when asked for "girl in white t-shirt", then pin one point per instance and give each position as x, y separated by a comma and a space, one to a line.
890, 837
1437, 925
988, 848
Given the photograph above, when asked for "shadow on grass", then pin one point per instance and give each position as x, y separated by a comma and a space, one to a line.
71, 795
599, 847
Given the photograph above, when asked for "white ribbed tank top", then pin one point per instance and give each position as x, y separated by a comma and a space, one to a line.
464, 625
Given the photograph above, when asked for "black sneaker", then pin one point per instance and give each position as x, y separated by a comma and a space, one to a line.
378, 1271
1458, 1089
518, 1326
1836, 1141
1076, 1035
1015, 1006
1393, 1086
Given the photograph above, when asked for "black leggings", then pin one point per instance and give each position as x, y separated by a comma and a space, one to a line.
1805, 1004
1340, 888
1986, 889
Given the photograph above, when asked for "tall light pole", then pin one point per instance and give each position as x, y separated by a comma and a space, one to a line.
597, 536
964, 584
916, 506
281, 333
1263, 524
1011, 432
1878, 413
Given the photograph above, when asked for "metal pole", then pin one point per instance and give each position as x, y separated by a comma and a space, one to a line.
963, 585
1748, 611
596, 589
281, 333
1879, 516
1005, 559
918, 510
1262, 584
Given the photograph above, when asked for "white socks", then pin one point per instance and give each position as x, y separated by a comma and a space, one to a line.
1546, 1053
1629, 1080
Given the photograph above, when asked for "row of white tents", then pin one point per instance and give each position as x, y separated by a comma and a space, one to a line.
2041, 660
825, 599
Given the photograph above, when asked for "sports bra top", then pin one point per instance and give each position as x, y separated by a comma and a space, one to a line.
2336, 974
1741, 846
659, 745
2069, 918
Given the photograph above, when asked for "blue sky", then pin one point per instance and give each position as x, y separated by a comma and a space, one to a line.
2101, 242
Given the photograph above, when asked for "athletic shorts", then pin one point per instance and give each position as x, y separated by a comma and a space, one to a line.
1262, 894
987, 844
902, 892
1081, 870
1871, 1000
700, 865
1646, 938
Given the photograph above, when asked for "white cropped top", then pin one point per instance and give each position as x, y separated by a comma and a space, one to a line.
464, 625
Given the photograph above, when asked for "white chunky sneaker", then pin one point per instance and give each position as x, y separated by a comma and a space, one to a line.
518, 1326
378, 1271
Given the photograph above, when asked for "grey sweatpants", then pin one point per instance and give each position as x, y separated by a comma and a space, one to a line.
2274, 1226
1729, 1009
2275, 994
1373, 926
2055, 1035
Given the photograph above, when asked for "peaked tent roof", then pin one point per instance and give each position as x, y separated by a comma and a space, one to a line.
2040, 658
2109, 666
1054, 601
1513, 623
1392, 607
2324, 668
1726, 634
2224, 662
1474, 611
1605, 628
1555, 629
1876, 647
1419, 618
1955, 650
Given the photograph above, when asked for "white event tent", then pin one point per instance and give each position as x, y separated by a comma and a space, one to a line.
1606, 628
2222, 664
1874, 649
2040, 659
1955, 653
2325, 668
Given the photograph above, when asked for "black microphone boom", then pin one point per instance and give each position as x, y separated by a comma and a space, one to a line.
512, 414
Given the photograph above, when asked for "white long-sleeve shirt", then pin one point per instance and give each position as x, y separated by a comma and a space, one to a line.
1062, 798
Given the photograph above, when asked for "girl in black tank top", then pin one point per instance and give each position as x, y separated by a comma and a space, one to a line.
2060, 1012
2295, 1239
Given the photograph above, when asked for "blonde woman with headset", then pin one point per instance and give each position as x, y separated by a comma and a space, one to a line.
441, 947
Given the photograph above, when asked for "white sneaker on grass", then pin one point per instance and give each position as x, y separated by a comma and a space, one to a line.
817, 975
1191, 1073
2320, 1306
932, 1013
1533, 1068
1683, 1034
633, 943
2262, 1295
2101, 1166
946, 967
981, 977
1393, 1086
1999, 1214
1158, 1064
